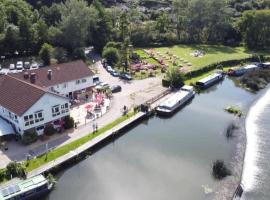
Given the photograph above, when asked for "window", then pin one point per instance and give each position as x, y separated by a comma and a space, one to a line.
64, 108
78, 82
28, 120
55, 110
39, 116
84, 80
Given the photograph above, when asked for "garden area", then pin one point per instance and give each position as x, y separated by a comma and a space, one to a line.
190, 58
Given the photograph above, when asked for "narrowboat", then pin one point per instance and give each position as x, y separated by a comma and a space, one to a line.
29, 189
209, 80
174, 102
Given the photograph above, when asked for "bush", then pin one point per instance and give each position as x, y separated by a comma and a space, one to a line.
15, 170
220, 170
29, 136
69, 122
49, 129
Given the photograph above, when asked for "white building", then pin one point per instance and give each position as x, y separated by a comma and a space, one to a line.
26, 106
33, 99
67, 79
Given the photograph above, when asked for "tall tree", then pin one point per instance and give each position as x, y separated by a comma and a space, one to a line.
255, 27
74, 24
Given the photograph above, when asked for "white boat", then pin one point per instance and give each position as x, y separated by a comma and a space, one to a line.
176, 101
31, 188
209, 80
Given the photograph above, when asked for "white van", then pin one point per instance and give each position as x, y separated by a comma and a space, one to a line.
12, 67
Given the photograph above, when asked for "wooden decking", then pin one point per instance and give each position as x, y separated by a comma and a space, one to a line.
84, 147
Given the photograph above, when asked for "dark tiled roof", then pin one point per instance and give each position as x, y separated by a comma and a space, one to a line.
61, 73
18, 96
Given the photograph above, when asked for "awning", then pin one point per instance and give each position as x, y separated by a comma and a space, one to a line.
5, 128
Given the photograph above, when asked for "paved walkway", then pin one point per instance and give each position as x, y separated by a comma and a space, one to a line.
85, 146
133, 93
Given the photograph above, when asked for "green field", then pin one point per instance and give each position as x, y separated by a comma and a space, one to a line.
212, 54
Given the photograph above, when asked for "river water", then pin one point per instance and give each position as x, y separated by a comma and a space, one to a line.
161, 158
256, 173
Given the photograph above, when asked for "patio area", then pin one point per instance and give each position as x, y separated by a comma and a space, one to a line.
89, 111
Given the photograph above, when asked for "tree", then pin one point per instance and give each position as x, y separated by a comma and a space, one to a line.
255, 27
174, 76
74, 24
60, 54
45, 53
11, 39
111, 54
102, 31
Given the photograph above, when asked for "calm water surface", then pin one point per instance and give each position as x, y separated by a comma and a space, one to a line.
160, 158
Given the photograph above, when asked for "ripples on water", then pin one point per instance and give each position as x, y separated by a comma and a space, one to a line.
256, 174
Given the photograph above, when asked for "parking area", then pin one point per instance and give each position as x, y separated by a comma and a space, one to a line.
134, 92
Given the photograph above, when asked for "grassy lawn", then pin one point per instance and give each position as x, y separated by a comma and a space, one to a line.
212, 54
56, 153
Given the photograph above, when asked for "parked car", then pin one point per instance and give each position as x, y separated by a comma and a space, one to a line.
109, 69
12, 67
19, 66
26, 65
116, 88
114, 73
104, 85
125, 76
34, 66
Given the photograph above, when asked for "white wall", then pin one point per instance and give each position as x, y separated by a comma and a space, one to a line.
71, 86
45, 103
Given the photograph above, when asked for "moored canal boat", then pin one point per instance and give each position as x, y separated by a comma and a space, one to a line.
31, 188
177, 100
209, 80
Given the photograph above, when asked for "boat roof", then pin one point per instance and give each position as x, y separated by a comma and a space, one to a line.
171, 101
267, 63
187, 87
250, 66
22, 187
208, 78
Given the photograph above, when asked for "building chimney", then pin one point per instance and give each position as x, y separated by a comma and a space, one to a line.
49, 74
26, 75
33, 77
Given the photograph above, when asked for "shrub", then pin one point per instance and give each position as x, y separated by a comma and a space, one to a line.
49, 129
29, 136
15, 169
69, 122
220, 170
